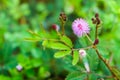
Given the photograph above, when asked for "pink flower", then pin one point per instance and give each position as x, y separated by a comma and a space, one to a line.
80, 27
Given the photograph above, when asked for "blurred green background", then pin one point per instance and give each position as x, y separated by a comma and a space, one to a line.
19, 16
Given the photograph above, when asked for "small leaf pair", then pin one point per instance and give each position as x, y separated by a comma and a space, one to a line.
64, 45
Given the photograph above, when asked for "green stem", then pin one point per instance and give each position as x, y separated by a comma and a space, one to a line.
89, 38
62, 23
58, 33
33, 33
96, 31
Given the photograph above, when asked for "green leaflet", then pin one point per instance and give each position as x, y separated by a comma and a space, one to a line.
93, 76
32, 39
55, 45
75, 57
76, 76
59, 46
67, 40
45, 43
4, 77
60, 54
33, 33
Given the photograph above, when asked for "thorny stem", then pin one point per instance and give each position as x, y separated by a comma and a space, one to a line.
100, 57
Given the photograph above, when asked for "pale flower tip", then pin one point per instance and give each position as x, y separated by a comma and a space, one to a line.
87, 67
82, 53
19, 67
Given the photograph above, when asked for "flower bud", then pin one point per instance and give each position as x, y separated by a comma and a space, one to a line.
96, 42
55, 27
19, 67
96, 15
92, 19
98, 20
82, 53
63, 16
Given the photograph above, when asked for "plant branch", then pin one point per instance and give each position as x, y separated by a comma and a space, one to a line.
96, 32
101, 58
63, 19
63, 31
57, 40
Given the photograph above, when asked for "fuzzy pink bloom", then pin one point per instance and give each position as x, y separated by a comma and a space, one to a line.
80, 27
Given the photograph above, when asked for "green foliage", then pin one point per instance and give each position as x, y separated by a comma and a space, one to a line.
60, 54
66, 40
93, 77
31, 50
76, 76
4, 77
116, 72
75, 57
55, 45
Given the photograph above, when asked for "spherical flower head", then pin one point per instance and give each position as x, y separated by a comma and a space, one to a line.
82, 53
80, 27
